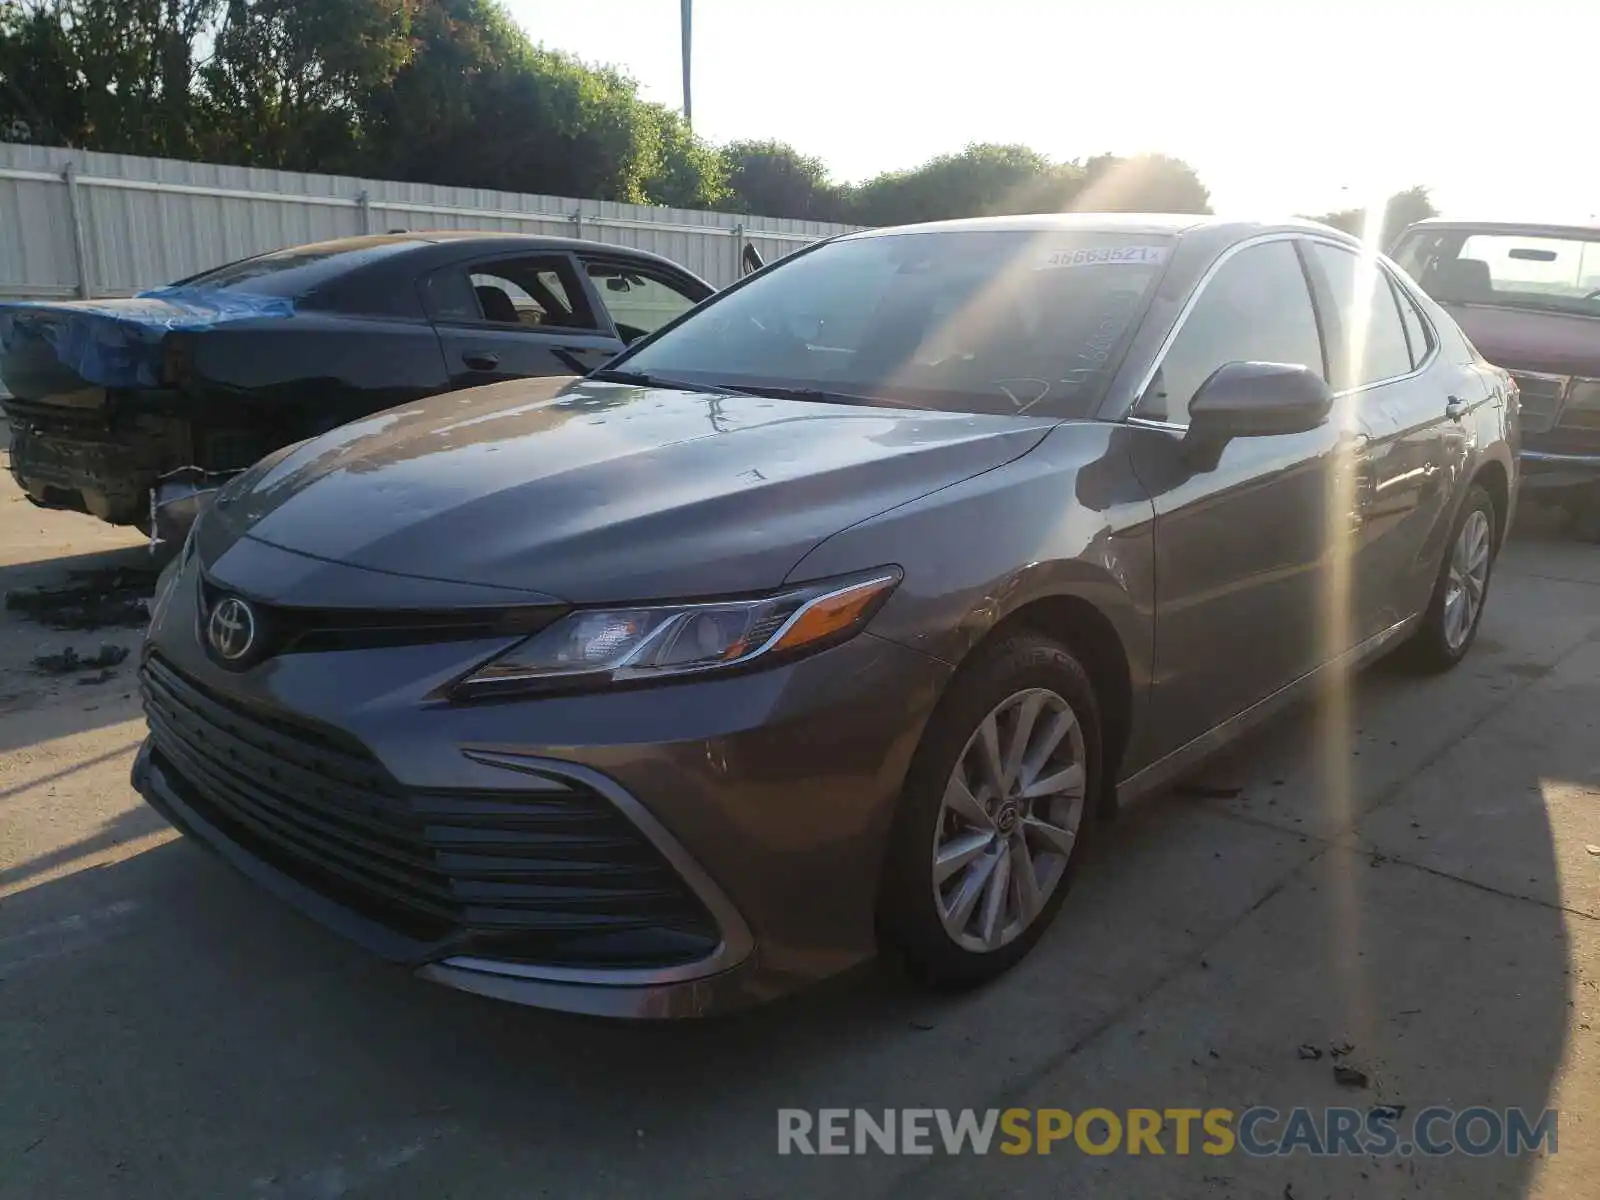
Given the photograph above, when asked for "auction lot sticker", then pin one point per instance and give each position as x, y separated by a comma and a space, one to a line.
1099, 256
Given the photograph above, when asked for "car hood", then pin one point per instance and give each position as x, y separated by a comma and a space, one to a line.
601, 492
1524, 340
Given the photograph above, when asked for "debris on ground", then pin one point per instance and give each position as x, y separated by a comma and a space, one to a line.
1340, 1049
921, 1024
1347, 1076
1307, 1050
69, 660
1593, 849
104, 675
104, 597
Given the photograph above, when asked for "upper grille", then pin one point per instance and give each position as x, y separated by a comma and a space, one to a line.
306, 630
556, 876
1542, 398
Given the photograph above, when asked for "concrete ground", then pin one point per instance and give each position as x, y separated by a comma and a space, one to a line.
1413, 880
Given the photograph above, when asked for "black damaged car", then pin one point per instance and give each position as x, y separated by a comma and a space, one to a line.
134, 410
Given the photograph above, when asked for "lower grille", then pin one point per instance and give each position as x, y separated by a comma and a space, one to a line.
555, 876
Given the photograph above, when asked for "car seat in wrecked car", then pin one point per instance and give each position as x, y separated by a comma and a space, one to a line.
496, 304
1460, 281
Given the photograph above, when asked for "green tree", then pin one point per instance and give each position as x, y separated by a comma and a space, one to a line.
986, 179
1400, 210
1141, 183
478, 106
982, 180
773, 179
421, 116
286, 80
452, 92
102, 74
682, 171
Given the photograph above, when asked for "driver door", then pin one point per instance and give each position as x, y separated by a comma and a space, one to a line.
640, 299
1246, 578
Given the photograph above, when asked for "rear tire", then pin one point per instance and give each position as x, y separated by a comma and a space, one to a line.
1461, 592
1002, 789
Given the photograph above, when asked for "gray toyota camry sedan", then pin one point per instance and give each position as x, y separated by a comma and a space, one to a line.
830, 618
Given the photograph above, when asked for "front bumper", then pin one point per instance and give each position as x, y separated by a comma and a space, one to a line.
1548, 471
769, 794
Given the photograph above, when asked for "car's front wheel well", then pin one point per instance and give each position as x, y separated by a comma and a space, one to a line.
1086, 631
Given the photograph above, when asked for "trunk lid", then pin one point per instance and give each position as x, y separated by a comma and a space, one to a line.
69, 354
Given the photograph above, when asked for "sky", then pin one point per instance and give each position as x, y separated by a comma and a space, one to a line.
1281, 107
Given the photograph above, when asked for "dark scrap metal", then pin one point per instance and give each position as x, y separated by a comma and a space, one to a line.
94, 599
69, 660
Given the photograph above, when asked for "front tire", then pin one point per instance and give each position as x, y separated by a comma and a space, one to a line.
994, 812
1450, 623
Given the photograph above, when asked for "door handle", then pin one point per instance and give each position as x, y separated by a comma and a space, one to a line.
1456, 408
480, 360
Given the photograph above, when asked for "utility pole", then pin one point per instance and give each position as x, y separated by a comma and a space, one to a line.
686, 7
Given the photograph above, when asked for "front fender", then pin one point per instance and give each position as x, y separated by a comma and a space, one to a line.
1067, 519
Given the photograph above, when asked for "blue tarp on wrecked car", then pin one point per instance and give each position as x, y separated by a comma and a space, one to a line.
115, 343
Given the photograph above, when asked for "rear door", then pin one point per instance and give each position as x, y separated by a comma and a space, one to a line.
1380, 349
514, 316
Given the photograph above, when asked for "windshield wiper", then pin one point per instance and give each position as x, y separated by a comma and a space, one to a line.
641, 379
817, 395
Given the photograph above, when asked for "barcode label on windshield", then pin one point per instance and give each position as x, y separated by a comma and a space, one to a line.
1138, 256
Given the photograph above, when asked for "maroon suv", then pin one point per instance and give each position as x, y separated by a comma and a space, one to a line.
1528, 296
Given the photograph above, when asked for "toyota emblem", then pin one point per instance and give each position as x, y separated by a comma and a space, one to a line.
231, 629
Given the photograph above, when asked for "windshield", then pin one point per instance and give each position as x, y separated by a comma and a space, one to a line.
297, 271
984, 321
1557, 272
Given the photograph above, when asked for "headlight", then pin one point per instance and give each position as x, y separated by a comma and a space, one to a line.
597, 647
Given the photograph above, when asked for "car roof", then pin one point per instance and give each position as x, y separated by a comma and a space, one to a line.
1221, 229
1579, 228
489, 241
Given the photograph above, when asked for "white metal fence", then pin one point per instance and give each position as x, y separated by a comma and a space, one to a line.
77, 223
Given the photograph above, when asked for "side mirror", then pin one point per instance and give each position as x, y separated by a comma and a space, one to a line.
1255, 399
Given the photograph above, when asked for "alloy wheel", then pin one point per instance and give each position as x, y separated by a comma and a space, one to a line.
1009, 819
1467, 580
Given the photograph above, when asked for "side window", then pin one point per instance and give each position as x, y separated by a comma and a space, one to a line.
638, 304
1256, 308
531, 293
1418, 334
1366, 340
